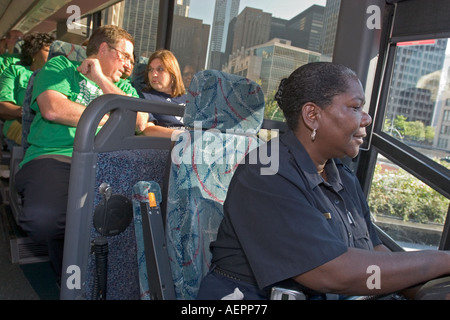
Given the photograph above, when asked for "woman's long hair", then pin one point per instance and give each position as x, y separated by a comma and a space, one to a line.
170, 62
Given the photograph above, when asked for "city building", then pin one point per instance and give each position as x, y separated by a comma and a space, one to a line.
135, 13
330, 22
182, 8
189, 42
304, 30
270, 62
415, 81
224, 12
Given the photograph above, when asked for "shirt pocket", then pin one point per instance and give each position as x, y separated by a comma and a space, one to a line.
361, 237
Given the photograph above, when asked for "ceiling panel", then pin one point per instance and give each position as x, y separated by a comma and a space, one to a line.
43, 15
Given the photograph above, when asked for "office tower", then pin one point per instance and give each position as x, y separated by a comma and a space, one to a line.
224, 12
189, 42
140, 18
269, 62
252, 27
442, 112
182, 8
413, 89
330, 21
304, 30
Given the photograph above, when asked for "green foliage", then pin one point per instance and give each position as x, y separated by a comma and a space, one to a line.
397, 193
409, 130
272, 111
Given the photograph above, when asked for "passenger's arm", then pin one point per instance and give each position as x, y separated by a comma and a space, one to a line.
159, 131
348, 273
56, 107
141, 121
91, 68
10, 111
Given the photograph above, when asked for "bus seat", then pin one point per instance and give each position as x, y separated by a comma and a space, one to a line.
138, 75
118, 157
27, 113
73, 52
224, 112
18, 152
122, 169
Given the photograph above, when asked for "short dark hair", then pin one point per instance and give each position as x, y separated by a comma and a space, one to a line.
32, 43
317, 82
110, 34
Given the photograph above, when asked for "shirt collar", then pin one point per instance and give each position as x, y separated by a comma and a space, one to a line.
306, 165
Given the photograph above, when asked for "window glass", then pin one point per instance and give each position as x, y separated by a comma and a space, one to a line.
407, 209
418, 106
140, 19
259, 39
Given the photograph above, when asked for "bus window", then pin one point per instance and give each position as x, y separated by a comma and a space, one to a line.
418, 105
264, 41
140, 19
407, 209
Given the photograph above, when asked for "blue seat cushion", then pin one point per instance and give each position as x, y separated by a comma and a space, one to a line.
224, 101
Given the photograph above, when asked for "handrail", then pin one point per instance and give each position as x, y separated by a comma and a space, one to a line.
118, 133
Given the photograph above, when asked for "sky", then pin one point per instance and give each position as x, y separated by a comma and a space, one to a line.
286, 9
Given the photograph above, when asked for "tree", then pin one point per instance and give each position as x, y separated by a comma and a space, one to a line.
415, 130
409, 130
272, 111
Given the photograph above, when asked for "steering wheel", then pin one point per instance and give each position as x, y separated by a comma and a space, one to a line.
436, 289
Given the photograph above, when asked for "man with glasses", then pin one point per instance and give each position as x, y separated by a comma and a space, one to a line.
61, 92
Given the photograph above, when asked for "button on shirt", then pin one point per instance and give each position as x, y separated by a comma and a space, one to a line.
278, 226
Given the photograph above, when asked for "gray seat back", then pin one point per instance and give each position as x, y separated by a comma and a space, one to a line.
118, 157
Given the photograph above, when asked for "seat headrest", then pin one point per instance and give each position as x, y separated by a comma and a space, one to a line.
138, 75
73, 52
224, 101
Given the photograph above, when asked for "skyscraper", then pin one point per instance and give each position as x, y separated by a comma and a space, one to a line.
252, 27
182, 8
413, 89
140, 18
224, 12
189, 41
330, 20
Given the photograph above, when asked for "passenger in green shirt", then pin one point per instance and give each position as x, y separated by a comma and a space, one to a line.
14, 82
61, 92
7, 59
7, 54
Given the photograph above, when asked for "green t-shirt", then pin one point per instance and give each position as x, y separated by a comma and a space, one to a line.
13, 85
8, 59
60, 74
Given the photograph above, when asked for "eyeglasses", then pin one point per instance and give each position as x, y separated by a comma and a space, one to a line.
125, 57
157, 69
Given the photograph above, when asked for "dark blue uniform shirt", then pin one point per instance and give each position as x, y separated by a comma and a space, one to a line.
278, 226
164, 119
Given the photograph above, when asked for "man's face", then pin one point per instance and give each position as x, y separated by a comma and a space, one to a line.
117, 59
